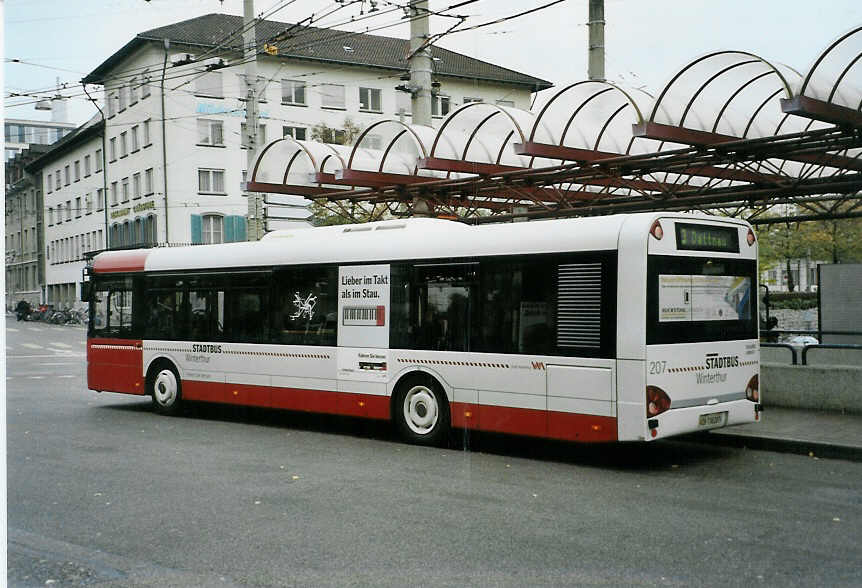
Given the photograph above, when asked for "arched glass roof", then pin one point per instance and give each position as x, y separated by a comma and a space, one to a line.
483, 133
722, 98
836, 75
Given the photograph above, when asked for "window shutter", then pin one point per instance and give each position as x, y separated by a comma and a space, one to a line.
239, 228
228, 229
197, 229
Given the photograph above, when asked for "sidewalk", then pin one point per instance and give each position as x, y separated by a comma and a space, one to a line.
792, 430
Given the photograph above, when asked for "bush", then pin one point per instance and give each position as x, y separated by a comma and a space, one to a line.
793, 300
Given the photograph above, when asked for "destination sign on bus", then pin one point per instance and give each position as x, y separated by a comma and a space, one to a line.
707, 238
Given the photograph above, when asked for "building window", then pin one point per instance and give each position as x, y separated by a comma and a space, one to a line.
59, 213
78, 170
57, 183
209, 85
66, 176
124, 144
372, 141
148, 181
50, 216
440, 105
145, 84
403, 103
332, 96
135, 138
89, 200
112, 105
509, 103
87, 166
212, 228
98, 160
124, 98
48, 182
210, 132
292, 92
100, 199
468, 99
147, 132
211, 181
112, 149
68, 210
125, 182
136, 186
261, 87
133, 91
298, 133
113, 193
78, 211
369, 100
261, 135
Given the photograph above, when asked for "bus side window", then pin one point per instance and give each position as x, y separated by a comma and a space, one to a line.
206, 315
246, 315
306, 306
165, 315
443, 313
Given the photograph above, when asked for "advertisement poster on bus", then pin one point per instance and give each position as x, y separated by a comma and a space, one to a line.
363, 306
704, 298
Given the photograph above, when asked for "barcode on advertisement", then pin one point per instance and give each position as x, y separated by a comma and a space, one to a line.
362, 315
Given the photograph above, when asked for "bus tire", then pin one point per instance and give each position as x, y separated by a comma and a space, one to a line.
421, 411
165, 388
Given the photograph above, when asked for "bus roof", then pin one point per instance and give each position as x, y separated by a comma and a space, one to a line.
415, 238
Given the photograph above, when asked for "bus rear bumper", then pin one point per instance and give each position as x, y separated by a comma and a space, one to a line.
702, 418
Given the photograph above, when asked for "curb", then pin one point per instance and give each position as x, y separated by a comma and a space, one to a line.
780, 445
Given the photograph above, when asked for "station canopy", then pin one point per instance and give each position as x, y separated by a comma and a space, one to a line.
730, 131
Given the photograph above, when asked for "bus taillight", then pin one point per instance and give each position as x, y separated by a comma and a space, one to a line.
752, 390
657, 401
656, 230
750, 238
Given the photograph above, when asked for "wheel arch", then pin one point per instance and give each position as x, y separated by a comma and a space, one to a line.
417, 371
157, 360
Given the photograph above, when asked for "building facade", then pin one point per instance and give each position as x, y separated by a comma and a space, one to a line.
19, 134
25, 268
164, 162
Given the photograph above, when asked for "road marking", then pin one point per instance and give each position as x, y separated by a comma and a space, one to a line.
67, 376
60, 363
35, 377
31, 345
11, 330
58, 344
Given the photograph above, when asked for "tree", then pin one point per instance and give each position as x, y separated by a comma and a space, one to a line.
345, 135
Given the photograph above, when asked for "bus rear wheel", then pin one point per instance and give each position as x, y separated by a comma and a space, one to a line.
421, 411
166, 389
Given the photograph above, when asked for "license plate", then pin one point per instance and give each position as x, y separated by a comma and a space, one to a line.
712, 419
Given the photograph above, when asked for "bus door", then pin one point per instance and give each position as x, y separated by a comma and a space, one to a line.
114, 353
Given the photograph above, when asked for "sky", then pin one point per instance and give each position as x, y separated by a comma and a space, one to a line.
647, 41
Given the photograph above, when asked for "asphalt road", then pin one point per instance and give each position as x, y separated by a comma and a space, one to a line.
103, 492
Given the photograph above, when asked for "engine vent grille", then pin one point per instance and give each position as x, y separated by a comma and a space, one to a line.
579, 305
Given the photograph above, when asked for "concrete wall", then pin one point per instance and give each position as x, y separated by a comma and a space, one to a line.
833, 388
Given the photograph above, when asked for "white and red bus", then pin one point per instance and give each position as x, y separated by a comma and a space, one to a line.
618, 328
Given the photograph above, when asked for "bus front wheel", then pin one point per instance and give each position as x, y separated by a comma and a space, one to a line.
166, 389
421, 411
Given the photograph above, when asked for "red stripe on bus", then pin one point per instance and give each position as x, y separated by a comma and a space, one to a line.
121, 261
320, 401
115, 365
536, 423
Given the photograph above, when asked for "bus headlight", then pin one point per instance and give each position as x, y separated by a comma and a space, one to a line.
656, 230
752, 389
750, 238
657, 401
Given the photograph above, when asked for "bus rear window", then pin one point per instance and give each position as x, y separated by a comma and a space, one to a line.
699, 299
